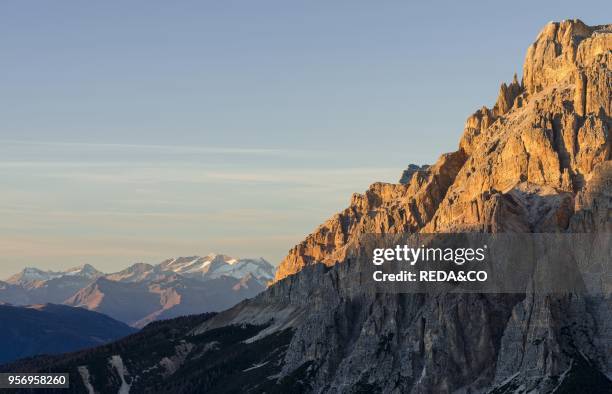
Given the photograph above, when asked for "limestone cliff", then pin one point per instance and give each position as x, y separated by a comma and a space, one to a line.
538, 161
544, 136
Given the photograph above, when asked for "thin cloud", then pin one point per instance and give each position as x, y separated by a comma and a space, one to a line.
176, 149
140, 173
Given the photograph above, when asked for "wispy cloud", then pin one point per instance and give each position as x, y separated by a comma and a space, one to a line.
152, 173
156, 148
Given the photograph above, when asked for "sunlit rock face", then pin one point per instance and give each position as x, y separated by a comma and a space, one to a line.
545, 137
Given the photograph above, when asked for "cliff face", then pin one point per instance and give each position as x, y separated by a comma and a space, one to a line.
545, 136
538, 161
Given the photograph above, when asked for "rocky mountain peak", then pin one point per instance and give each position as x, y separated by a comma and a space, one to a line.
134, 273
507, 96
550, 131
85, 270
32, 274
411, 170
560, 50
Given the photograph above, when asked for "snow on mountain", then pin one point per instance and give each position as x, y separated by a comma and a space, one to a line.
138, 272
259, 268
204, 268
179, 286
212, 274
195, 264
36, 286
215, 266
31, 274
86, 271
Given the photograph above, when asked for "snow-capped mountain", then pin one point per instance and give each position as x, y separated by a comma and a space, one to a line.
196, 264
259, 268
203, 268
30, 274
85, 271
144, 292
36, 286
138, 272
217, 265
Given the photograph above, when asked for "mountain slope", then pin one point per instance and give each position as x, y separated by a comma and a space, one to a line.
538, 161
180, 286
138, 303
39, 329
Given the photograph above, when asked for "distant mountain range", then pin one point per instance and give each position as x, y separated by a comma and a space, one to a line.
49, 329
143, 292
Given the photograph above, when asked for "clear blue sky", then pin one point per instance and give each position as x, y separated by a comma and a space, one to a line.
135, 131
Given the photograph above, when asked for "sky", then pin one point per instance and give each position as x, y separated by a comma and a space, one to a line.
142, 130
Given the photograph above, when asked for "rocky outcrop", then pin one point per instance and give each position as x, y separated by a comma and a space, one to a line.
507, 96
546, 135
410, 171
560, 50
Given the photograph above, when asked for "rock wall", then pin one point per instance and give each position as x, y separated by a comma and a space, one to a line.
543, 136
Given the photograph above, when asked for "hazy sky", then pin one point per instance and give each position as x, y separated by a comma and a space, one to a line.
135, 131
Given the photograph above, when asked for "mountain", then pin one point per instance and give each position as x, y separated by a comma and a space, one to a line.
180, 286
35, 286
161, 297
12, 294
138, 272
215, 266
31, 276
48, 329
143, 292
538, 161
549, 132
